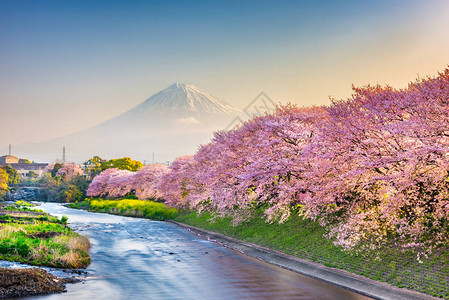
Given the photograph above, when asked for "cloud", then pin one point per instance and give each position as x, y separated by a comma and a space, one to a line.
187, 121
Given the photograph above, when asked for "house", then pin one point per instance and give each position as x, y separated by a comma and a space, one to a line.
8, 159
22, 168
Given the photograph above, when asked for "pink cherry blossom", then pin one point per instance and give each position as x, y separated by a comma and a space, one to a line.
69, 170
371, 166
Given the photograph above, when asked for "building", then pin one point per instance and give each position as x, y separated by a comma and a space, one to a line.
22, 168
8, 159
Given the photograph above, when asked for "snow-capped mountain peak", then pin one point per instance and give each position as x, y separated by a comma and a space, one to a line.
187, 100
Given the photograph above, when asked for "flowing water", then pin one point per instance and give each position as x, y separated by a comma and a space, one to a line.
143, 259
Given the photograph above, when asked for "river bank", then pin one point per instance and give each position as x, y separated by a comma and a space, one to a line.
31, 236
128, 207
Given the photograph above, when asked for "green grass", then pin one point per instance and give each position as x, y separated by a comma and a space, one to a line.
21, 208
44, 217
24, 203
130, 207
79, 205
42, 240
305, 239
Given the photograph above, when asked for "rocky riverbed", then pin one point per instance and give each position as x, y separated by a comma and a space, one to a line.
31, 281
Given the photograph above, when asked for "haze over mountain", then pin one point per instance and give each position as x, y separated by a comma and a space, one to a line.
172, 122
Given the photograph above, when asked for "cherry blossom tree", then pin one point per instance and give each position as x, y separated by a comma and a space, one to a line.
260, 163
119, 184
372, 166
116, 183
180, 186
69, 170
145, 182
383, 164
99, 185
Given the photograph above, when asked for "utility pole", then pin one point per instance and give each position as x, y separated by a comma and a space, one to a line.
9, 149
153, 157
63, 154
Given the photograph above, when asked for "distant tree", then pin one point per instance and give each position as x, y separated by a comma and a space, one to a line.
32, 174
93, 166
24, 161
55, 169
69, 170
67, 189
13, 176
70, 193
96, 160
124, 163
3, 182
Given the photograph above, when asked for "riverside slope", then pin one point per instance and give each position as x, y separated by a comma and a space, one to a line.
359, 284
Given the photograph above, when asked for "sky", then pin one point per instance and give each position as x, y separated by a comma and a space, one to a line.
68, 65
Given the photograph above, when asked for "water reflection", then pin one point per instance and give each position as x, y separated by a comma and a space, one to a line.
143, 259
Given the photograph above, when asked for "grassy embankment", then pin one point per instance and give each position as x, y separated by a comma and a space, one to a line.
128, 207
37, 238
305, 239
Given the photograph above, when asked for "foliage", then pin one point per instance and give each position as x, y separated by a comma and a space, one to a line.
135, 208
53, 169
24, 161
66, 171
32, 174
67, 184
79, 205
306, 239
3, 182
124, 163
13, 175
71, 189
69, 170
24, 203
93, 166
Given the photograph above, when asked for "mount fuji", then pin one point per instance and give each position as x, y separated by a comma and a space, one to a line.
185, 99
181, 104
172, 122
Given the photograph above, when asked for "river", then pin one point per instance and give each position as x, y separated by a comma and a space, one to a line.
143, 259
